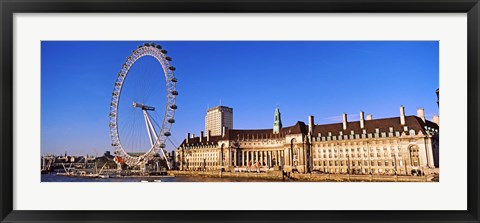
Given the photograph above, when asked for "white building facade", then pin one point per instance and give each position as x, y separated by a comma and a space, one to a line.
403, 145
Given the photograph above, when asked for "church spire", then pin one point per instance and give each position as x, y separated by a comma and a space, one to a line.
277, 121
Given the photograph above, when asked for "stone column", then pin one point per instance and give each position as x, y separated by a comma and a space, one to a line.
270, 158
220, 158
235, 158
251, 157
277, 158
265, 158
261, 158
243, 158
287, 156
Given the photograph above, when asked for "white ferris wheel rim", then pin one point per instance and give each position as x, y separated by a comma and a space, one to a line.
170, 105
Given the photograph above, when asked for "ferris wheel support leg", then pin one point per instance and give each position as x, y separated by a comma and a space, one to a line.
147, 119
147, 122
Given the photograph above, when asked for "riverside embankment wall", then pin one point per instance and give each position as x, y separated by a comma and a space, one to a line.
278, 175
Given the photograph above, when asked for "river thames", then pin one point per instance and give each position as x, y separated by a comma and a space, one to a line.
55, 178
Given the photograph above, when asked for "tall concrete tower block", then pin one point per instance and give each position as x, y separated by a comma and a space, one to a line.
217, 118
277, 121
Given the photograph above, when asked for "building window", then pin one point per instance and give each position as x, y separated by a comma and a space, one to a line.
414, 155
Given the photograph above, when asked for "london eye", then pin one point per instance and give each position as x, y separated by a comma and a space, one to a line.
141, 109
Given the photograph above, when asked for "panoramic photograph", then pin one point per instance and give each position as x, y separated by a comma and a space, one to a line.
159, 111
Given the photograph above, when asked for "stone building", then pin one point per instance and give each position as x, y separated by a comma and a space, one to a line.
403, 145
217, 118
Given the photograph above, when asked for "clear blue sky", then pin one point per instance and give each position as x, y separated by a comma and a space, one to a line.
323, 79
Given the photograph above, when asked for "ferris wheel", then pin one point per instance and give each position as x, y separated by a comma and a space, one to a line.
157, 130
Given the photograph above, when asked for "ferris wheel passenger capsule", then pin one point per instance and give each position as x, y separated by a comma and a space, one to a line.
175, 93
162, 145
158, 47
171, 120
167, 134
172, 68
168, 58
173, 106
163, 51
174, 80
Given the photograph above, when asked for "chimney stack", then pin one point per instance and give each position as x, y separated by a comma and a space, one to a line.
421, 114
201, 136
208, 135
344, 121
310, 124
369, 117
224, 131
436, 119
362, 121
188, 137
402, 115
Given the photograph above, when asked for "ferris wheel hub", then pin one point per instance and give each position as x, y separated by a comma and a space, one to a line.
143, 107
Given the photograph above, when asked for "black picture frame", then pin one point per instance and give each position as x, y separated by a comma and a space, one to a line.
9, 7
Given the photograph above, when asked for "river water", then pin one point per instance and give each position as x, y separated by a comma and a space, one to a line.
54, 178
